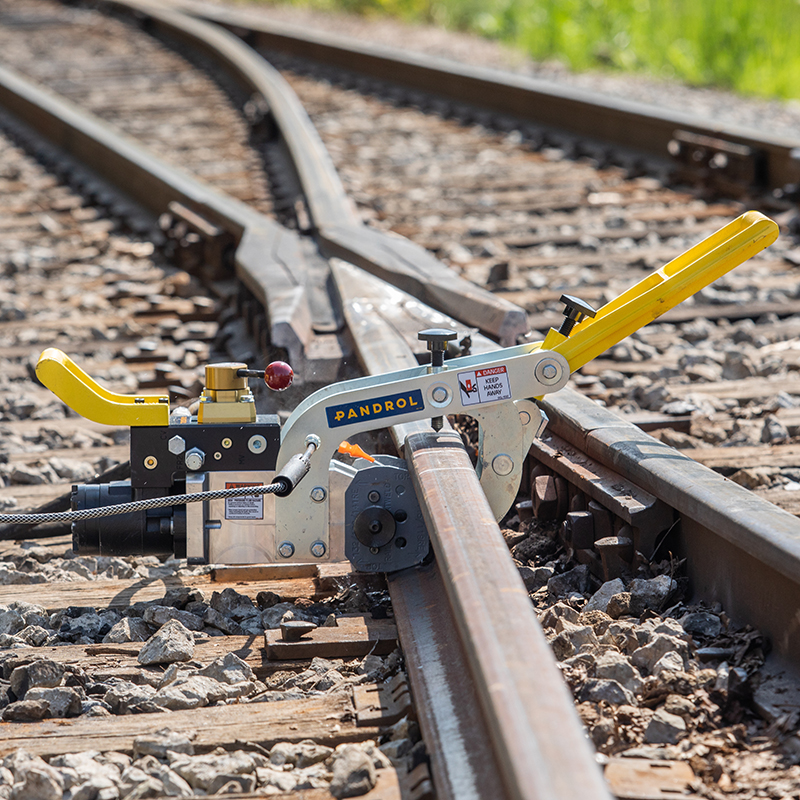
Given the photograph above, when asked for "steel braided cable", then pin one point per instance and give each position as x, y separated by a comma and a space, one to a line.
141, 505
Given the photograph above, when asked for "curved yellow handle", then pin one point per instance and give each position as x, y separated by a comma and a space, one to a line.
62, 376
665, 288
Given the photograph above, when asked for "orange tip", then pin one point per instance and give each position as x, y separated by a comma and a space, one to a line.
354, 450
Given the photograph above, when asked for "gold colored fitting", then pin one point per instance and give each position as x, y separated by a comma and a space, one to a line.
227, 397
222, 377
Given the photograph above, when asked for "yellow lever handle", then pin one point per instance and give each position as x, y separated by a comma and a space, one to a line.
665, 288
62, 376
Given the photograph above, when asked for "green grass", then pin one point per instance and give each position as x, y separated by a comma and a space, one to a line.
750, 46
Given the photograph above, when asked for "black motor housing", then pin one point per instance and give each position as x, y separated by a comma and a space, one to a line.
157, 532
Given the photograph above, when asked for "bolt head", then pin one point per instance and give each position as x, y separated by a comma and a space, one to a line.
176, 445
439, 394
318, 494
374, 496
286, 549
549, 371
318, 549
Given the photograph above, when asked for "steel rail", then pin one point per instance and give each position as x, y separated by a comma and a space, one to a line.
489, 691
336, 225
643, 128
742, 551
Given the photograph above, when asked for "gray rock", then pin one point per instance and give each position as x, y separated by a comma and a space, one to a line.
25, 710
161, 742
195, 691
665, 728
161, 615
669, 662
614, 666
229, 669
650, 593
301, 755
604, 690
34, 635
702, 623
619, 605
232, 784
578, 635
222, 623
648, 656
201, 771
574, 580
277, 779
173, 784
43, 673
122, 697
774, 431
232, 604
62, 701
11, 621
271, 617
128, 629
138, 781
353, 770
559, 611
599, 600
173, 642
37, 781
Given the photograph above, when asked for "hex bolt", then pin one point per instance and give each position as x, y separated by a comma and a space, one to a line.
286, 549
176, 445
318, 494
374, 496
194, 459
318, 549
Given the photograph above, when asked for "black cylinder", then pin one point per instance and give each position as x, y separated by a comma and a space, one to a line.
156, 532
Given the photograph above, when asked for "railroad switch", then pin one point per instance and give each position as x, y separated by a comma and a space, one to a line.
207, 486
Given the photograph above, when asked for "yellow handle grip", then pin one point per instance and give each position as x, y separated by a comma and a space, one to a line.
665, 288
62, 376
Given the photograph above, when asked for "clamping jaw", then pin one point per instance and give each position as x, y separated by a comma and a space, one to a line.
495, 389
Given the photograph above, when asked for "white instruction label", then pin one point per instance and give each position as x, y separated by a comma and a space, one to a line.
484, 386
250, 506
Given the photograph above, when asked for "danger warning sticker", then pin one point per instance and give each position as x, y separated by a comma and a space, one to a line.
250, 506
484, 386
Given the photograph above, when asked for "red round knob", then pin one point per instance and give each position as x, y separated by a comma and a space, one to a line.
278, 376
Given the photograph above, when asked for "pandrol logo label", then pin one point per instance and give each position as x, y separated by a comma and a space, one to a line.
375, 408
484, 386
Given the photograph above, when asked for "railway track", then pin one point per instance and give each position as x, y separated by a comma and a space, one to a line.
492, 639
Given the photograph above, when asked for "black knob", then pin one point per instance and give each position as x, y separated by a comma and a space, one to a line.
437, 339
575, 311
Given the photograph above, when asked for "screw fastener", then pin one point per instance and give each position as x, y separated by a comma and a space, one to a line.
318, 494
286, 549
318, 549
549, 371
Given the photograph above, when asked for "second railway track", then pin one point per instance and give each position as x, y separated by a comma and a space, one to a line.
590, 218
